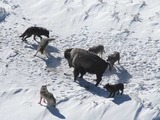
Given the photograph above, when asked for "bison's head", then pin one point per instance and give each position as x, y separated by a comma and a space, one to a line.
67, 53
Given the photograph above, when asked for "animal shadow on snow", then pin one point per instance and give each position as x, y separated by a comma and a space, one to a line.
91, 87
55, 112
49, 48
51, 61
123, 75
118, 99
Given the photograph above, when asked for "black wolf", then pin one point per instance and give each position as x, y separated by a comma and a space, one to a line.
36, 31
114, 88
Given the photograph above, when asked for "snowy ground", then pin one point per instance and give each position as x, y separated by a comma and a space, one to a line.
129, 26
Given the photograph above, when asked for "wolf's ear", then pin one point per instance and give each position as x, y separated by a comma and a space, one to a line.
44, 85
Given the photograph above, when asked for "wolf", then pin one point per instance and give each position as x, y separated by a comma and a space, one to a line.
36, 31
114, 88
99, 49
112, 58
43, 44
47, 96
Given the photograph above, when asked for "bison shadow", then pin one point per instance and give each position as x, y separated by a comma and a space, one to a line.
118, 99
55, 112
91, 87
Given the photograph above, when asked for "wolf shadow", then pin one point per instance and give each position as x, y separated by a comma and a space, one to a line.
49, 48
121, 99
56, 112
51, 61
123, 75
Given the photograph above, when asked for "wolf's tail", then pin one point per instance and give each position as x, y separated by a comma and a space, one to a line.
23, 34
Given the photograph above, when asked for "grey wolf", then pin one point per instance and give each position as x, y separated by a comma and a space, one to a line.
112, 58
47, 97
99, 49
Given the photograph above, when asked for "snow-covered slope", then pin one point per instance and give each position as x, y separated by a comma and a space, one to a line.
129, 26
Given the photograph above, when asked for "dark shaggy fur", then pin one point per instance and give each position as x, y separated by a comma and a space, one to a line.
85, 61
99, 49
114, 88
36, 31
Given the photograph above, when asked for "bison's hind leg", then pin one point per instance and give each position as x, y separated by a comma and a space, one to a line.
82, 72
121, 92
118, 92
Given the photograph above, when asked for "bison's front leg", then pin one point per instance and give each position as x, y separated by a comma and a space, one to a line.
76, 73
99, 78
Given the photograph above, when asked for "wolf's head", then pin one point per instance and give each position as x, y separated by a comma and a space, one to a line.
44, 88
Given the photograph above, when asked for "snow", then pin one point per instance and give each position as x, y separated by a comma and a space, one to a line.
129, 26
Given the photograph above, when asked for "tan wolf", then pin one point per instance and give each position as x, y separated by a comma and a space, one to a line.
42, 45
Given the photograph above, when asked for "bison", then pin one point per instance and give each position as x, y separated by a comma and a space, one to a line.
85, 61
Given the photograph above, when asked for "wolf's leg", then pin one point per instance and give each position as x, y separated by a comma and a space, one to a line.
44, 100
34, 37
118, 92
39, 36
26, 37
40, 99
46, 53
36, 53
